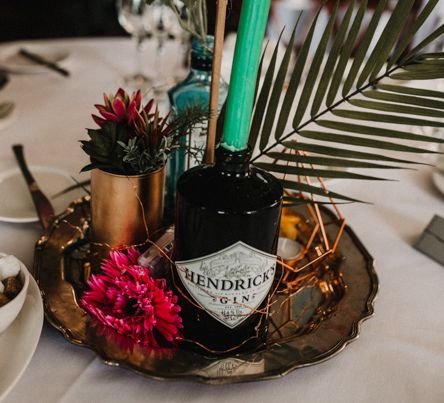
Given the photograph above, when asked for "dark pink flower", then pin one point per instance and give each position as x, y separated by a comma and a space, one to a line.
124, 108
126, 298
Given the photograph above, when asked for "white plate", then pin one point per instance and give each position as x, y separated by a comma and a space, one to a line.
438, 180
11, 59
15, 201
19, 341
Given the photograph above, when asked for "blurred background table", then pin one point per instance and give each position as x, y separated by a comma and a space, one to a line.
399, 356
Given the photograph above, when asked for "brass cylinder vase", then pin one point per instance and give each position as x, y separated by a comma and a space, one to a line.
126, 210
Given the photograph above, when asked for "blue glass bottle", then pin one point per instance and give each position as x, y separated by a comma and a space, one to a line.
193, 91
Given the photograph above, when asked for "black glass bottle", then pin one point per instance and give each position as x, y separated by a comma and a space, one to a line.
226, 231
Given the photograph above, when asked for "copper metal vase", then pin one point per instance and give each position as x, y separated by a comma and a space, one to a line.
126, 210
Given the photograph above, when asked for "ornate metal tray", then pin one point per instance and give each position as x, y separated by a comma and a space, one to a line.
310, 327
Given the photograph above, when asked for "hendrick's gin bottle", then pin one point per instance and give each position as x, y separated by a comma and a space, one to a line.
227, 223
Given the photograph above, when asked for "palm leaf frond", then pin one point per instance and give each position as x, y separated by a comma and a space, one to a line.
331, 61
388, 38
344, 153
261, 102
314, 69
420, 92
363, 47
345, 54
405, 99
295, 81
277, 91
328, 161
315, 190
408, 37
347, 106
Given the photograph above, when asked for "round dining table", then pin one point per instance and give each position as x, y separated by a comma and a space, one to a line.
399, 355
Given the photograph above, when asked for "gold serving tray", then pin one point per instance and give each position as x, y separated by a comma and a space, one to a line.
311, 326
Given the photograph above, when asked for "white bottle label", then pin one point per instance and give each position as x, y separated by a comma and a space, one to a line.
230, 284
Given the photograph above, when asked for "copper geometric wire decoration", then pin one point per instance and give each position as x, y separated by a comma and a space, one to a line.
318, 241
308, 268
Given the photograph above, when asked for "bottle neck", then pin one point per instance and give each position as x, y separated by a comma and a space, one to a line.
201, 64
202, 54
233, 163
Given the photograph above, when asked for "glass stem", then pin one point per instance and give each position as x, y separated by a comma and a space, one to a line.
138, 62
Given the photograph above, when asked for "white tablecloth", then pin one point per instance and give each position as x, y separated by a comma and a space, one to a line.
399, 356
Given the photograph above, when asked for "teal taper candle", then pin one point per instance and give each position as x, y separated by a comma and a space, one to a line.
253, 21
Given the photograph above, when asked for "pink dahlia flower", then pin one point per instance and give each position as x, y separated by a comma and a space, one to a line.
126, 298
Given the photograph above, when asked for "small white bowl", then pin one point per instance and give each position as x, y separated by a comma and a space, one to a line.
10, 311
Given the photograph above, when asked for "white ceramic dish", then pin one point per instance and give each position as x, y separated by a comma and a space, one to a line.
19, 341
12, 60
10, 311
15, 201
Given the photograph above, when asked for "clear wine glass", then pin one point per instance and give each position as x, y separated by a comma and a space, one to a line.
161, 20
132, 16
163, 25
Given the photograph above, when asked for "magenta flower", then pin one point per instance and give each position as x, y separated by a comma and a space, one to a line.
126, 298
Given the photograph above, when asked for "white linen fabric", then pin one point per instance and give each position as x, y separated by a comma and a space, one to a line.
399, 356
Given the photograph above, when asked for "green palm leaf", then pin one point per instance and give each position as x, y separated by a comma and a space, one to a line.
295, 80
346, 53
425, 42
405, 99
353, 138
381, 118
388, 38
359, 141
314, 69
426, 75
303, 187
391, 107
375, 131
363, 48
404, 43
328, 161
277, 91
331, 60
262, 99
320, 173
344, 153
420, 92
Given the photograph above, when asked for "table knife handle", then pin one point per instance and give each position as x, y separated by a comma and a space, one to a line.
20, 157
43, 206
42, 61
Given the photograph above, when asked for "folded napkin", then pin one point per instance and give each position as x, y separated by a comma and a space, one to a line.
431, 242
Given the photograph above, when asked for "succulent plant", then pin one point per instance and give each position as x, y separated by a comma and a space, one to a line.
133, 138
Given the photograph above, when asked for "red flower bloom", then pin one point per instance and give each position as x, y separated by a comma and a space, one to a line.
123, 108
126, 298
